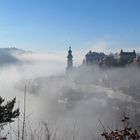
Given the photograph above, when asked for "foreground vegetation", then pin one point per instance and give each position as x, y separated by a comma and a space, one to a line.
125, 133
8, 115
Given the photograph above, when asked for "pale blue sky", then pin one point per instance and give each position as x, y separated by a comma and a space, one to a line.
55, 24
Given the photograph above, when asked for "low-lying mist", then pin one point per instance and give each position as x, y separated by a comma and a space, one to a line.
73, 101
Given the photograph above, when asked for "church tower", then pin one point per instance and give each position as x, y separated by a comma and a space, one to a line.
69, 59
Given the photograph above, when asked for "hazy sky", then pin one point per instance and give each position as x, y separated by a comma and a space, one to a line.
55, 24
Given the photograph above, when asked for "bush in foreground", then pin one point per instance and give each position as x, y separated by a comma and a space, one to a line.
126, 133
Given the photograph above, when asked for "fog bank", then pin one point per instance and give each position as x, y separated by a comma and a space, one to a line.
81, 98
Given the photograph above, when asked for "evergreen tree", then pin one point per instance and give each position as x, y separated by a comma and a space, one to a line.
7, 114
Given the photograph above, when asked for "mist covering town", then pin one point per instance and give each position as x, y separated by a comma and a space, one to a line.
69, 69
71, 100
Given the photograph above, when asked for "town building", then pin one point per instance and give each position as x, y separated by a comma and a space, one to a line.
94, 57
69, 60
127, 57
